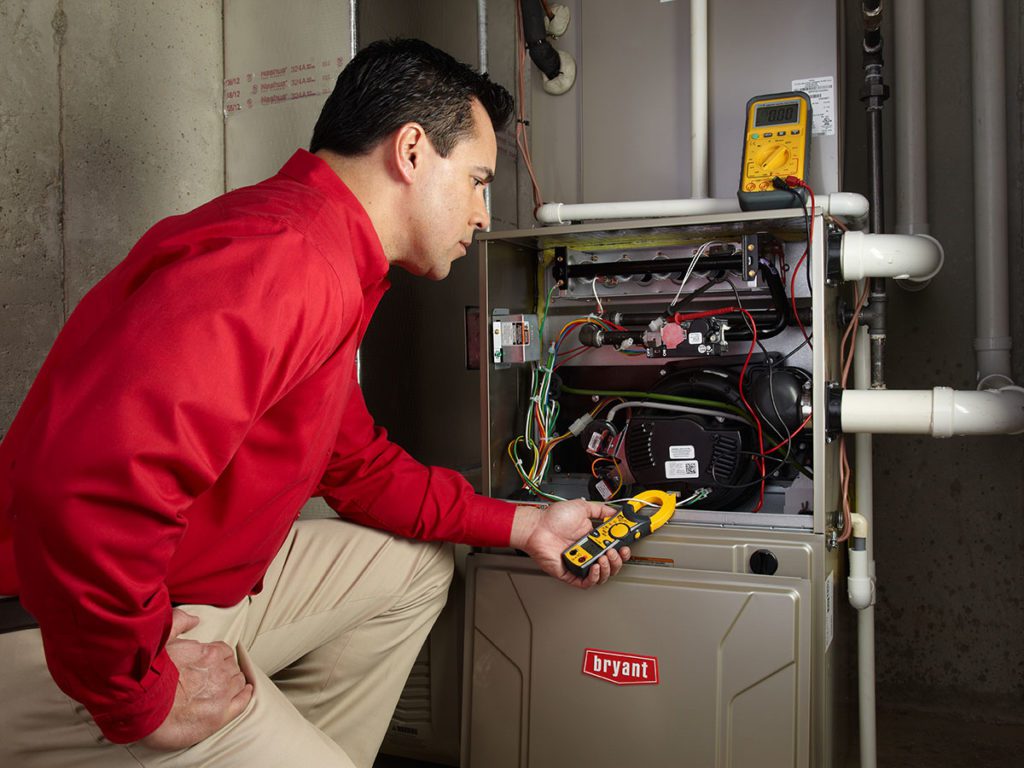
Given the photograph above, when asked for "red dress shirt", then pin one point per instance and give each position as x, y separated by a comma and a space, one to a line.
195, 399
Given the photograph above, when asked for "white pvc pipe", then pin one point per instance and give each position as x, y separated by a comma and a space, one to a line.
846, 205
562, 213
993, 341
940, 412
911, 135
698, 98
859, 586
864, 488
910, 257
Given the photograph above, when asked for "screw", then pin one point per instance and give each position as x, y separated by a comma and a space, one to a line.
750, 247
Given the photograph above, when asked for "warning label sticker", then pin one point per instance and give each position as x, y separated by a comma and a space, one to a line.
515, 334
681, 452
822, 91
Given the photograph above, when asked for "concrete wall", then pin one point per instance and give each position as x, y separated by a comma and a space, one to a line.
110, 119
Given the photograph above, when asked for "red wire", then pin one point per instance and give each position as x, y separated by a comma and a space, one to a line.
796, 432
793, 181
757, 421
680, 317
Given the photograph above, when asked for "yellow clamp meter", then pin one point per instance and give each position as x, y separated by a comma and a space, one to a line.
776, 142
637, 520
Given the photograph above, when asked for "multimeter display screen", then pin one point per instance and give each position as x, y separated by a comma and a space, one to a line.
777, 113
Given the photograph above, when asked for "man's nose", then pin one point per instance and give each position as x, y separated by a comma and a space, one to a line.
480, 219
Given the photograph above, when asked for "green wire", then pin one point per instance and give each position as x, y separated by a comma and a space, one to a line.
654, 396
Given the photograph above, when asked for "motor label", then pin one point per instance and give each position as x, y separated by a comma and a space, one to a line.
679, 470
681, 452
620, 668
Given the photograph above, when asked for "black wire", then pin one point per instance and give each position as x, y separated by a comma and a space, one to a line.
682, 302
753, 482
807, 234
795, 349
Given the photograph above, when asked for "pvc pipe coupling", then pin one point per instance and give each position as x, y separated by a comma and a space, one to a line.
939, 412
917, 258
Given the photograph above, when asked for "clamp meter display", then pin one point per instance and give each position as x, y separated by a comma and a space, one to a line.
637, 520
776, 142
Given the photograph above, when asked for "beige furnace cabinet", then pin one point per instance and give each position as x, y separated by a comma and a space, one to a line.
721, 645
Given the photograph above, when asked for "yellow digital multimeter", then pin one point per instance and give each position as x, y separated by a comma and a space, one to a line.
776, 142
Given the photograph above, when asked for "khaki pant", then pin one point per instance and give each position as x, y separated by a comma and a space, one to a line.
327, 644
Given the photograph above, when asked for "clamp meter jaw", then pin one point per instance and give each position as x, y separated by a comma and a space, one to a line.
637, 520
776, 143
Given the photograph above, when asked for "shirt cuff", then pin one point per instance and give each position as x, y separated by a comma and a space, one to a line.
137, 719
489, 522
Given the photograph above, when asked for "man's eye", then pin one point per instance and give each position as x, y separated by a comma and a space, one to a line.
479, 182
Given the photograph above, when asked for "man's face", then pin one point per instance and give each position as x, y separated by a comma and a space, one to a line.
449, 204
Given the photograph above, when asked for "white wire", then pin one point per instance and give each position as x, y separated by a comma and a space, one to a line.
680, 408
600, 306
702, 250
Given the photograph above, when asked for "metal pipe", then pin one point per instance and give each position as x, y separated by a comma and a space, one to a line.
993, 341
698, 99
911, 120
353, 28
873, 94
481, 50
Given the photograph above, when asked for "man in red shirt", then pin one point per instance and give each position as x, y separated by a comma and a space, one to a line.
196, 398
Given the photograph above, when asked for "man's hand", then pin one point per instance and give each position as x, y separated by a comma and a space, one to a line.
212, 690
545, 533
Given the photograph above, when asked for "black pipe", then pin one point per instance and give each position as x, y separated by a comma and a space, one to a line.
590, 270
874, 94
770, 322
536, 38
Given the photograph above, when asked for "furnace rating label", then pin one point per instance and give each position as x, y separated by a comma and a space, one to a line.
620, 668
822, 91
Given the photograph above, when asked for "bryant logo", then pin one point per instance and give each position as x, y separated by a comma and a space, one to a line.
620, 668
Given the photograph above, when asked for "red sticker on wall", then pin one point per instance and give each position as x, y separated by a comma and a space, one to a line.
620, 668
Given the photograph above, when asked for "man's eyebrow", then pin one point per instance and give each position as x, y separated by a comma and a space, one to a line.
486, 172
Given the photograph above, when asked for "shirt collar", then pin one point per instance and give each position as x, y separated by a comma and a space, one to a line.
367, 251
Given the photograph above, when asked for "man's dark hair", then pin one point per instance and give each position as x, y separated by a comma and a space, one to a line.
393, 82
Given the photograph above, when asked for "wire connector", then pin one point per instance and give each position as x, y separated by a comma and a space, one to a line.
580, 424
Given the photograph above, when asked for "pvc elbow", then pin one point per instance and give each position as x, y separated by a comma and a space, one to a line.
860, 587
917, 258
848, 205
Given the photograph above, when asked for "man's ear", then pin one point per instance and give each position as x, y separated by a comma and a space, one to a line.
410, 147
